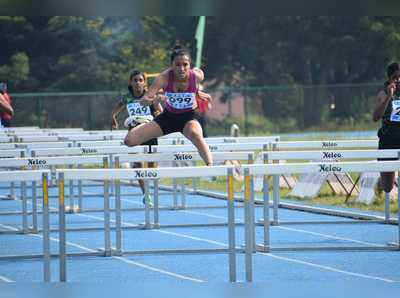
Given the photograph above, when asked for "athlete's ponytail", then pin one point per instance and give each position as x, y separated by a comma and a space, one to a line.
179, 50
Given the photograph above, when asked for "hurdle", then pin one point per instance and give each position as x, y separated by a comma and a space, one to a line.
99, 143
106, 150
7, 146
51, 162
213, 147
324, 145
329, 155
330, 167
37, 176
107, 175
182, 156
87, 151
221, 140
10, 153
66, 137
6, 139
38, 145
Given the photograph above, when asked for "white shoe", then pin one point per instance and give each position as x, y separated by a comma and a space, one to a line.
150, 200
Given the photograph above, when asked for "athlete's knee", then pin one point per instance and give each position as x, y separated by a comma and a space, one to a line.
129, 142
195, 136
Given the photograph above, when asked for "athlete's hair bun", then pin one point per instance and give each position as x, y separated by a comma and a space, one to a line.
179, 50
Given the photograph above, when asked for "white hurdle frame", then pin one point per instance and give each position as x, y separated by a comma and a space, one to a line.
331, 167
324, 145
7, 153
35, 176
118, 174
88, 150
213, 147
35, 163
179, 156
329, 156
8, 146
6, 139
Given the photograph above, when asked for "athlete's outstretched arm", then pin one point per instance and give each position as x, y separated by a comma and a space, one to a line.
199, 74
158, 83
116, 110
157, 107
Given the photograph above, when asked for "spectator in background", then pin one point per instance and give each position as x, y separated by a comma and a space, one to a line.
387, 110
7, 111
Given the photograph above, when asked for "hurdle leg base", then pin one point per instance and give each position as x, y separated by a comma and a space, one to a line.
74, 209
145, 226
394, 244
242, 247
262, 248
112, 252
271, 222
176, 208
28, 231
116, 252
8, 198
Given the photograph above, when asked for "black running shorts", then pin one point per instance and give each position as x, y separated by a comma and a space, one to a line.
171, 122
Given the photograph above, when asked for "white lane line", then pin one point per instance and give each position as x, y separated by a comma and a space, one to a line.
163, 232
328, 268
8, 227
299, 231
332, 237
127, 261
158, 270
269, 255
5, 279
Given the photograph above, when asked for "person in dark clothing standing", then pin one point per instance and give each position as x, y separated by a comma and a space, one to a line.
388, 111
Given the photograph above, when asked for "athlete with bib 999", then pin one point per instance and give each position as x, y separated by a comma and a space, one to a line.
388, 109
180, 84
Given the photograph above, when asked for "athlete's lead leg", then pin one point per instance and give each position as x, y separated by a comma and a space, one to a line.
142, 133
194, 133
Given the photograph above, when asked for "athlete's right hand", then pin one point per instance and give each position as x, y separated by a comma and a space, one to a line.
390, 89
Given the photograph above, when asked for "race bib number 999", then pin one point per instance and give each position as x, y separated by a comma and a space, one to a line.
181, 101
395, 116
136, 109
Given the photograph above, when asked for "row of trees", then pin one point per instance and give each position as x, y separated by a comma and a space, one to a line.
95, 54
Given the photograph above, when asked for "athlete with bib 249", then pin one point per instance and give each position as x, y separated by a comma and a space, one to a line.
388, 109
138, 114
180, 84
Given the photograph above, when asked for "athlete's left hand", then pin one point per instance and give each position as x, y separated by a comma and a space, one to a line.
145, 101
204, 96
160, 98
